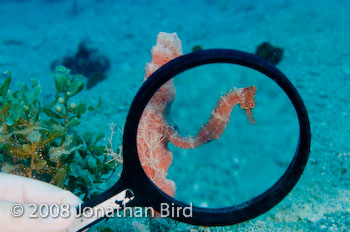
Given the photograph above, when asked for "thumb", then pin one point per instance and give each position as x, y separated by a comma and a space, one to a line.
32, 205
16, 217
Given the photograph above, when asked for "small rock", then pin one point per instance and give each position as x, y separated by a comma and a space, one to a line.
269, 52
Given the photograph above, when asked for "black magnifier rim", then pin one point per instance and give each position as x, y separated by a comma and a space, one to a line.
147, 194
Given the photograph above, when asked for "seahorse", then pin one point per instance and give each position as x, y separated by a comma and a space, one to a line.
154, 132
219, 118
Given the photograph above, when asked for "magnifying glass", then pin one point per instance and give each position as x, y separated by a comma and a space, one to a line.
231, 145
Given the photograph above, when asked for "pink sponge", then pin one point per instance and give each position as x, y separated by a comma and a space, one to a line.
154, 132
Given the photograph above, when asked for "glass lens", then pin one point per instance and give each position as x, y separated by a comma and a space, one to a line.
217, 135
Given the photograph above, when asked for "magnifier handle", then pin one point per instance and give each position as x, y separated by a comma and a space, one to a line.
88, 216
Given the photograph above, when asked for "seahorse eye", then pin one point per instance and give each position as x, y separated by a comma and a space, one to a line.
252, 105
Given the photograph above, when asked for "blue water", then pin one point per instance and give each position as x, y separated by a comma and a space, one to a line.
315, 37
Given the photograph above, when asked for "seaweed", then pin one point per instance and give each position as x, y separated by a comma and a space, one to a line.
42, 141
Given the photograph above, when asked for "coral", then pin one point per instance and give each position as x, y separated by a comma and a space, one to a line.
269, 52
88, 62
154, 132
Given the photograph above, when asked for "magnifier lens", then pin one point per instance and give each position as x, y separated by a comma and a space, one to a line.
217, 135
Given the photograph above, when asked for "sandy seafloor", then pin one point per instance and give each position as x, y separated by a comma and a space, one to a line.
315, 36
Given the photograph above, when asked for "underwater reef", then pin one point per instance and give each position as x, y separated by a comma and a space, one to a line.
316, 60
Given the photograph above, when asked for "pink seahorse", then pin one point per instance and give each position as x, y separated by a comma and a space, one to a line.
154, 132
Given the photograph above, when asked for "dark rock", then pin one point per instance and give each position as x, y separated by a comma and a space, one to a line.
269, 52
197, 48
88, 62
